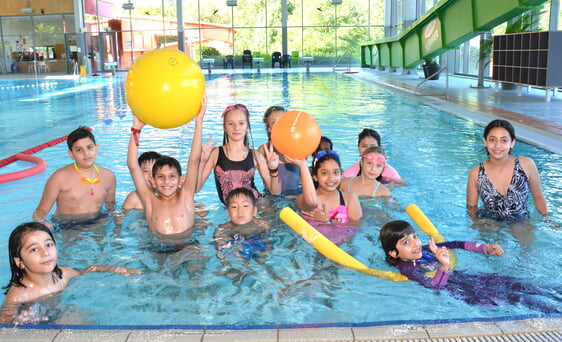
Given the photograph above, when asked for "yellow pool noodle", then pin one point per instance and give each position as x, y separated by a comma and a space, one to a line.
427, 226
331, 250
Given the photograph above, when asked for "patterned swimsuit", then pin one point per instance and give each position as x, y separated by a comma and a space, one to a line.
230, 174
513, 205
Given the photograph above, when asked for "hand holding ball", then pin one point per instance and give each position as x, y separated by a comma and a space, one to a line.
164, 88
296, 134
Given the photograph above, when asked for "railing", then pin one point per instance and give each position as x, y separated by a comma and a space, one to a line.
444, 69
346, 54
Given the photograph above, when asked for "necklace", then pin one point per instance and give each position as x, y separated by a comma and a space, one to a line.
90, 180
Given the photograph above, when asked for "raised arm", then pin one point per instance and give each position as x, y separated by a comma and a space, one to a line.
206, 166
268, 167
192, 173
132, 162
307, 200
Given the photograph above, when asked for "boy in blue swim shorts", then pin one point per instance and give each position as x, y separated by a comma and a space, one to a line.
245, 234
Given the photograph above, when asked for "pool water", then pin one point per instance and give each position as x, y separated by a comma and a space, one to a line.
292, 284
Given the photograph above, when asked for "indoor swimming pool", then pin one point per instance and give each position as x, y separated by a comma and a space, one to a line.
292, 284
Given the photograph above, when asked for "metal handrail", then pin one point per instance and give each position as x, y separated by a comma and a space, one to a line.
346, 54
445, 68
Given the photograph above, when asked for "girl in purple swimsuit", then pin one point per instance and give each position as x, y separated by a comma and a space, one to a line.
429, 266
333, 212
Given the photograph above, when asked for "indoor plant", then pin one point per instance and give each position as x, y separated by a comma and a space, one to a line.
431, 67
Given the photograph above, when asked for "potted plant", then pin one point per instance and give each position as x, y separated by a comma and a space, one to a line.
431, 67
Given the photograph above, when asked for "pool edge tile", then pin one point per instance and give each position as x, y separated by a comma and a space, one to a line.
403, 331
249, 335
24, 335
316, 334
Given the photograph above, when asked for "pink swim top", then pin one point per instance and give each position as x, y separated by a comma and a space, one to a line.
389, 174
335, 233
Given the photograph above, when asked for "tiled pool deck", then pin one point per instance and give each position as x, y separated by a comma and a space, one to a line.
537, 121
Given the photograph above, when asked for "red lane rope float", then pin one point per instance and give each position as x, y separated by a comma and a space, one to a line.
40, 165
25, 156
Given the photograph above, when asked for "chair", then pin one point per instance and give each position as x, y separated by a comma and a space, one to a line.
295, 59
247, 58
42, 67
229, 59
276, 58
286, 61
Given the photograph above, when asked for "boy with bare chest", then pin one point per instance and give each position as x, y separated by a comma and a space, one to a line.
170, 209
81, 188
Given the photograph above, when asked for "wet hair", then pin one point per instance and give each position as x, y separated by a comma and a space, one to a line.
14, 251
320, 159
389, 236
270, 111
499, 123
372, 149
318, 148
241, 192
166, 161
244, 110
79, 133
367, 132
148, 156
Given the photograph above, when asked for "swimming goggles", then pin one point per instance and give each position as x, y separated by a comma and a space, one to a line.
236, 106
321, 154
377, 158
87, 179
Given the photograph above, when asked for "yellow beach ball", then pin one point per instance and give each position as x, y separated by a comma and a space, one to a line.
164, 88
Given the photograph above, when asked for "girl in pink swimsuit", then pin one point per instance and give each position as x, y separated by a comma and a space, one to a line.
372, 162
369, 138
333, 212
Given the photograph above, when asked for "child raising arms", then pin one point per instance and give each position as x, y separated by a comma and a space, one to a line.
372, 162
327, 204
146, 162
170, 209
234, 163
35, 272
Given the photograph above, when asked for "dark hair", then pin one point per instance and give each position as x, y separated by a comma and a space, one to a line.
389, 236
318, 148
163, 161
241, 192
79, 133
367, 132
270, 110
14, 251
148, 156
244, 109
327, 155
499, 123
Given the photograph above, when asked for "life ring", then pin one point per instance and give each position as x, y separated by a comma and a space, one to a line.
336, 254
40, 165
25, 156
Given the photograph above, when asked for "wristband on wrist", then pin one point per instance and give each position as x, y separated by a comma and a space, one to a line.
136, 133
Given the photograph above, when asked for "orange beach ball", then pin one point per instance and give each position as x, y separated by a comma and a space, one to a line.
296, 134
